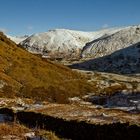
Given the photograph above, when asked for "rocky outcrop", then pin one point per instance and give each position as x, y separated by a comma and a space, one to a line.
2, 84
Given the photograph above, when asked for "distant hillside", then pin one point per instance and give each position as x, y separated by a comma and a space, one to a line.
108, 44
17, 39
26, 75
117, 53
124, 61
62, 43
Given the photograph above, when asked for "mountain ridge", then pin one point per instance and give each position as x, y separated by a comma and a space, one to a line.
62, 42
111, 43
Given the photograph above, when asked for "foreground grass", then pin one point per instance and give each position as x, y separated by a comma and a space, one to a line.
13, 130
17, 131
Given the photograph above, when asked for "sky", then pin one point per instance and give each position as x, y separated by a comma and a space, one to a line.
20, 17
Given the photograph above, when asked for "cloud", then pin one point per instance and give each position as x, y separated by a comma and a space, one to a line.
105, 26
4, 30
30, 28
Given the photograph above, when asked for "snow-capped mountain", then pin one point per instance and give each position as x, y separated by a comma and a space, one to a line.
61, 42
17, 39
108, 44
118, 53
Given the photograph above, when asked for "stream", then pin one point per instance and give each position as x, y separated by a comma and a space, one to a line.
127, 102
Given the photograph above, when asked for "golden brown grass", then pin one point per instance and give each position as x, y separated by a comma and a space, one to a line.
13, 130
113, 89
18, 131
48, 135
29, 76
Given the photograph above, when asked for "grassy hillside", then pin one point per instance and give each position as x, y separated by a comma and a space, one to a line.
26, 75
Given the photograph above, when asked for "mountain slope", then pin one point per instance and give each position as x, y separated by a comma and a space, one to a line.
124, 61
111, 43
26, 75
61, 42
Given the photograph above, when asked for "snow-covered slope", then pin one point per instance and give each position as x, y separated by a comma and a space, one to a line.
123, 61
110, 43
17, 39
61, 42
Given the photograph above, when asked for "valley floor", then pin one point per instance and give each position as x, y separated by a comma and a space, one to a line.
69, 121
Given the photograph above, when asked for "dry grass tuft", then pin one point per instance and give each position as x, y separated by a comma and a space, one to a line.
17, 131
13, 130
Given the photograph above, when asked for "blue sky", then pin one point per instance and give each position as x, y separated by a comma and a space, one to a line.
19, 17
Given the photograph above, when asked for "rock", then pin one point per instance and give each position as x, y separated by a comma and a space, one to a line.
125, 92
129, 86
20, 102
30, 134
74, 100
2, 84
138, 87
3, 103
11, 137
15, 108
